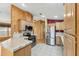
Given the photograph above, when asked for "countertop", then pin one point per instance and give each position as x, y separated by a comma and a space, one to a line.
15, 44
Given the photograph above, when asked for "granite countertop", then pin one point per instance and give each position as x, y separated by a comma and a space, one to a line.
15, 44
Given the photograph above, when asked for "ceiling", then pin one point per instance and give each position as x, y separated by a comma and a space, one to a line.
39, 10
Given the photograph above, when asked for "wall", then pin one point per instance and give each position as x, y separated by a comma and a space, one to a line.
58, 23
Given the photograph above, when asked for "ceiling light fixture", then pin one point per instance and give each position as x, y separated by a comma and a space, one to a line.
55, 16
23, 4
42, 15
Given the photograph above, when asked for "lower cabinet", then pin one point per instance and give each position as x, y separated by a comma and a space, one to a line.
25, 51
20, 52
58, 41
28, 50
69, 45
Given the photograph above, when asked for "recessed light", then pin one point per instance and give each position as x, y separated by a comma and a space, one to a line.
41, 15
55, 16
23, 4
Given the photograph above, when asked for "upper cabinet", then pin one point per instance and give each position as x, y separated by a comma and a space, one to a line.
16, 16
69, 16
28, 16
59, 25
70, 36
71, 21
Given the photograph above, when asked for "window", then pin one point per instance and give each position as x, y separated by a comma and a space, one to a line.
5, 31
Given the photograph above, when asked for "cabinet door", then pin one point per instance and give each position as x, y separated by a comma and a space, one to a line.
19, 52
16, 14
69, 19
39, 31
42, 32
65, 46
36, 27
28, 50
5, 52
67, 16
28, 17
69, 45
59, 25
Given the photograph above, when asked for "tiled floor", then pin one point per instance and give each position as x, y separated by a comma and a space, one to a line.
47, 50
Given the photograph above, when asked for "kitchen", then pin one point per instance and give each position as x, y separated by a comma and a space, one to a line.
39, 29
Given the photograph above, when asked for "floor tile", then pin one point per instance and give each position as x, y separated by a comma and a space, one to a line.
47, 50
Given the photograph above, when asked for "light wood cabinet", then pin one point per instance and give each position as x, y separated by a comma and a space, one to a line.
38, 27
6, 52
70, 29
69, 18
71, 22
26, 51
77, 29
20, 52
16, 16
58, 41
59, 25
69, 45
28, 16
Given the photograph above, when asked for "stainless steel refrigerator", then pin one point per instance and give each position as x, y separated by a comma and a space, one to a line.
50, 40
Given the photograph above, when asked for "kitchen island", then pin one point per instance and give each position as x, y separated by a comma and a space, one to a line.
16, 47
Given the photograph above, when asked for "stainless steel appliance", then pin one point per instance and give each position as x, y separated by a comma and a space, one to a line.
51, 35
